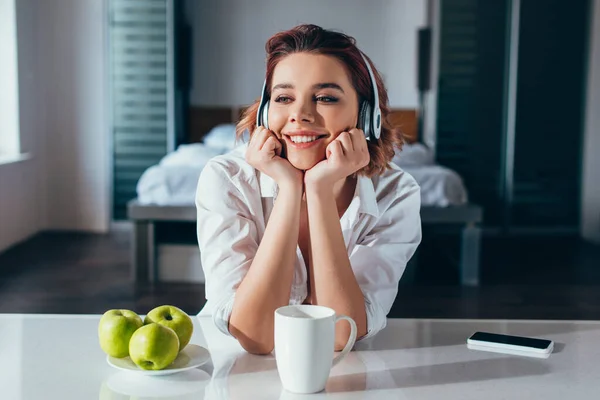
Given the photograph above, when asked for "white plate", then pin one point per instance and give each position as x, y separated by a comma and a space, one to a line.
192, 356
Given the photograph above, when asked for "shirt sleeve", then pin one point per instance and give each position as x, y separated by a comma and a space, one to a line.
380, 259
227, 237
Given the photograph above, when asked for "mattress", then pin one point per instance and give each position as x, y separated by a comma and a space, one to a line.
440, 186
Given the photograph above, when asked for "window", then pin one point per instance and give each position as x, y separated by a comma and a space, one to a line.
9, 78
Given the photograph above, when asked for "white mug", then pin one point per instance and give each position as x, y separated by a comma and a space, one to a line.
304, 346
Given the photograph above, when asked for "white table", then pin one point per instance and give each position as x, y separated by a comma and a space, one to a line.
58, 357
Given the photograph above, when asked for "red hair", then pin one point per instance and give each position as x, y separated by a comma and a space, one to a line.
316, 40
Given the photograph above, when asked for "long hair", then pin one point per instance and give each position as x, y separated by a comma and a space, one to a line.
316, 40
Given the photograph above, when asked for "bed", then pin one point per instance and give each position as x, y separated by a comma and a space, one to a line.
166, 191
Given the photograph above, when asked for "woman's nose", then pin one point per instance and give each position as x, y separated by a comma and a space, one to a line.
301, 112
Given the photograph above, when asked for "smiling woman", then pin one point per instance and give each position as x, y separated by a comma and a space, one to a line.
311, 210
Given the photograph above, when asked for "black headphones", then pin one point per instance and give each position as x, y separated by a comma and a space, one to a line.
369, 118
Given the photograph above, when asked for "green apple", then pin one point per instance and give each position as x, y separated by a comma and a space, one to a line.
115, 329
154, 346
174, 318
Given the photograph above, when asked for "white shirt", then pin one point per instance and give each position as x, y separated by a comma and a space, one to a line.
381, 229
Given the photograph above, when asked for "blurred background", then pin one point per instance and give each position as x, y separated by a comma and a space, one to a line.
111, 108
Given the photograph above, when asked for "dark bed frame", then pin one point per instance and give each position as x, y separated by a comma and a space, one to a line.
146, 217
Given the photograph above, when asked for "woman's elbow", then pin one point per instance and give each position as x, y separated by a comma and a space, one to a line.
251, 345
257, 348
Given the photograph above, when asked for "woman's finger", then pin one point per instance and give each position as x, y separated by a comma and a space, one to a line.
255, 136
261, 138
335, 149
346, 141
358, 139
272, 145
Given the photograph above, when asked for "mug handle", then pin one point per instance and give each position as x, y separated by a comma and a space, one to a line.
351, 340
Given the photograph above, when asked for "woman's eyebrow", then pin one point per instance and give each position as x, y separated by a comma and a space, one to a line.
324, 85
328, 85
283, 86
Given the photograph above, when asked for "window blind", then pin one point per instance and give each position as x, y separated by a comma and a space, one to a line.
139, 51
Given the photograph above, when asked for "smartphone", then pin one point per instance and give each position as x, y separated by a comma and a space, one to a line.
509, 342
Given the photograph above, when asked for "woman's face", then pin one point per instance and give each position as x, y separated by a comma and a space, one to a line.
312, 102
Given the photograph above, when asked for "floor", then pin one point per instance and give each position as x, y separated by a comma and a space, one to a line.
82, 274
522, 278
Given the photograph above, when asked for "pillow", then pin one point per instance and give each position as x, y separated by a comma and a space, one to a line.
414, 155
190, 155
221, 137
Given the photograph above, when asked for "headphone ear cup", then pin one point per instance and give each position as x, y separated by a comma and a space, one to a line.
263, 108
377, 123
265, 115
364, 116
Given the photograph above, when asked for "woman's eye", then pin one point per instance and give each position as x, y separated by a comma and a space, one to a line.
283, 99
327, 99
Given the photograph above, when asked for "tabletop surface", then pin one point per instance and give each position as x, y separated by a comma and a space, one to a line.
58, 357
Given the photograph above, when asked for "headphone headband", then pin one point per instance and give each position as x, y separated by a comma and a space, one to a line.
373, 82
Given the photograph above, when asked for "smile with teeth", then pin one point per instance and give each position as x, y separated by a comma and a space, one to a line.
303, 139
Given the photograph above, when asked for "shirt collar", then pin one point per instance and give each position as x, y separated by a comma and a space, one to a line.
364, 193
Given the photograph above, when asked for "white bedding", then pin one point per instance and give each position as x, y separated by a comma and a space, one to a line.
174, 180
440, 186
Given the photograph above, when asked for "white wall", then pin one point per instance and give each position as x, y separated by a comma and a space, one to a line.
9, 95
22, 198
66, 182
230, 36
591, 166
73, 33
19, 215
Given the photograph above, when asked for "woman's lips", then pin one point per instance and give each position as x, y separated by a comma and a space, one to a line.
303, 145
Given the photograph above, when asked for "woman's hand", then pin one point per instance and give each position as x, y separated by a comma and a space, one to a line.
264, 154
345, 155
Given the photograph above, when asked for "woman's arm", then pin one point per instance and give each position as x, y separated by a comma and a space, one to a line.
334, 283
268, 282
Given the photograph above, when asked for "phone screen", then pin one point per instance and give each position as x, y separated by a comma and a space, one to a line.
511, 340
